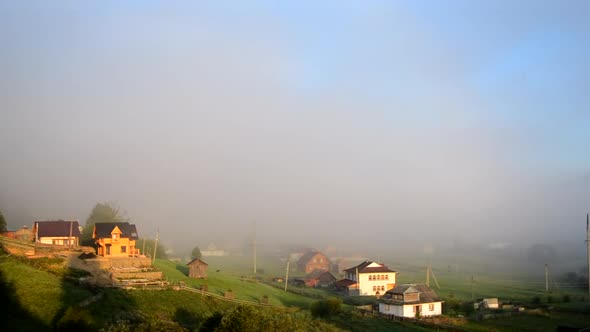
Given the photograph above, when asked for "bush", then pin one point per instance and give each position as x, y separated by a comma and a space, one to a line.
325, 308
566, 298
211, 323
75, 319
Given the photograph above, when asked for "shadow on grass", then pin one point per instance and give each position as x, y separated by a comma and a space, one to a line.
182, 268
13, 316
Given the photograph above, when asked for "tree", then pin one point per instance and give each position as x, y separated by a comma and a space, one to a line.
148, 245
196, 254
102, 212
2, 223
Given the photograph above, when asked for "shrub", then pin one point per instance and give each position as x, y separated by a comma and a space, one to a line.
74, 319
566, 298
211, 323
325, 308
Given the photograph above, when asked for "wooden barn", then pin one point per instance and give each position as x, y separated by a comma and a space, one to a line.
197, 269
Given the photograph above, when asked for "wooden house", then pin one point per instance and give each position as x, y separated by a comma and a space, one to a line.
410, 300
57, 232
367, 279
116, 239
197, 268
313, 260
319, 278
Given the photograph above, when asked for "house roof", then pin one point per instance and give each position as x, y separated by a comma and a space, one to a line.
316, 274
196, 260
104, 229
365, 267
344, 283
57, 228
308, 256
427, 295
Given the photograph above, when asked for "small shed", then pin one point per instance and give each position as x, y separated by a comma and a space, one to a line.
197, 268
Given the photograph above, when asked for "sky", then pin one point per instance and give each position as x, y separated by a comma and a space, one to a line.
357, 124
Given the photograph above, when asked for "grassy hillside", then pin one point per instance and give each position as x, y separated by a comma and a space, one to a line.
42, 296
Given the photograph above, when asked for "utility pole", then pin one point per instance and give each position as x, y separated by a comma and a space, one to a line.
588, 253
546, 278
254, 249
155, 247
472, 281
70, 239
287, 273
428, 276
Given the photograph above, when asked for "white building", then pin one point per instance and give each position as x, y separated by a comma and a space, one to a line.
367, 279
410, 300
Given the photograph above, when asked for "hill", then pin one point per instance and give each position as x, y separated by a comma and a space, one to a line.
43, 294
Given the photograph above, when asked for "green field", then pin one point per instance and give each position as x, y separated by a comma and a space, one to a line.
40, 295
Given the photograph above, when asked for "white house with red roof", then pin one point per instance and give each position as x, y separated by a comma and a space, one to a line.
367, 279
410, 300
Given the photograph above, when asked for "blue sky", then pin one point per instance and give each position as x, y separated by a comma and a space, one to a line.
306, 112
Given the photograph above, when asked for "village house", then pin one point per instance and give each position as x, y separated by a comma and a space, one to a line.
197, 268
116, 239
318, 278
313, 260
410, 300
57, 232
367, 279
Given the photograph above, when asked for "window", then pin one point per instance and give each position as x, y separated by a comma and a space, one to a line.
382, 288
431, 307
387, 277
370, 278
123, 249
115, 236
374, 288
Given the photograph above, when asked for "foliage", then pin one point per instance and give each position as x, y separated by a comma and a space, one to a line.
102, 212
326, 308
147, 248
2, 222
211, 323
74, 319
196, 254
246, 318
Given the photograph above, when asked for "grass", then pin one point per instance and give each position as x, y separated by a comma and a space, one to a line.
244, 288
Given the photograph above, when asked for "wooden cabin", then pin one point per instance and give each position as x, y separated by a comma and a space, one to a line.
197, 269
116, 239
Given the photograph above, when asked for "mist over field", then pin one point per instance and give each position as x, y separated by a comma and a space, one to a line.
383, 128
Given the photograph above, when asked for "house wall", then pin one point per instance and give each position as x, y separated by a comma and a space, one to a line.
59, 241
317, 262
116, 246
390, 309
382, 281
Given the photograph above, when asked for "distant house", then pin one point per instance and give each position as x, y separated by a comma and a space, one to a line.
197, 268
410, 300
213, 251
313, 260
487, 303
115, 239
367, 279
24, 234
57, 232
319, 278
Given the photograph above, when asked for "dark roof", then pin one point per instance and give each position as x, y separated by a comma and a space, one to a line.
57, 228
344, 283
427, 295
309, 255
104, 229
362, 268
196, 260
316, 274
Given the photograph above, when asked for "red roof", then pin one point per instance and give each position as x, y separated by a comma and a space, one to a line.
364, 268
58, 228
